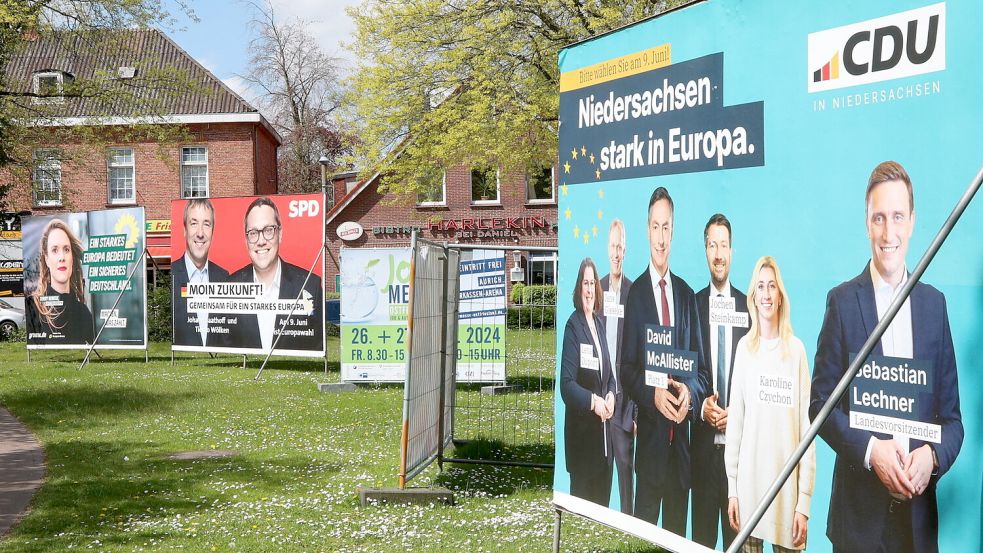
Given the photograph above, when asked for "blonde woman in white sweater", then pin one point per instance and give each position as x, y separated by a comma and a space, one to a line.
767, 416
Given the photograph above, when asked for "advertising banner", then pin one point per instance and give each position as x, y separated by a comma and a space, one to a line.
738, 210
11, 260
375, 295
76, 265
375, 288
239, 274
481, 317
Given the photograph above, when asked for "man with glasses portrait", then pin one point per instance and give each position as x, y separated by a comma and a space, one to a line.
281, 280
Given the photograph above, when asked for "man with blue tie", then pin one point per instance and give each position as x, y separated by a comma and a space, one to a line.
883, 497
720, 342
665, 406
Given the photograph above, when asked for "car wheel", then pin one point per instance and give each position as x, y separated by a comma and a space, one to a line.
7, 329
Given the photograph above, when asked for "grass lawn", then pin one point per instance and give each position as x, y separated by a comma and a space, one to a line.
108, 430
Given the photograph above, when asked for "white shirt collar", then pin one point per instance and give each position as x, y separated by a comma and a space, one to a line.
881, 285
725, 291
192, 268
276, 278
656, 277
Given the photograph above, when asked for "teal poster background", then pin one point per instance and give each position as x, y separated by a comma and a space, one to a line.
803, 203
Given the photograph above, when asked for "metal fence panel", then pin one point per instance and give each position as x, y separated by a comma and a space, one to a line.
430, 326
518, 414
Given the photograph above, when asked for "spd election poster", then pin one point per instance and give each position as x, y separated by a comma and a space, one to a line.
239, 274
75, 267
742, 206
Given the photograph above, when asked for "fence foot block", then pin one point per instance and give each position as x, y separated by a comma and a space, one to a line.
336, 387
415, 496
499, 390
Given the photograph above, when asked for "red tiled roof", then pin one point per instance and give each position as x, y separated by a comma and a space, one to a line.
87, 56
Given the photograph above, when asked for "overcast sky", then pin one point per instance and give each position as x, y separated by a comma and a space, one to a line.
218, 40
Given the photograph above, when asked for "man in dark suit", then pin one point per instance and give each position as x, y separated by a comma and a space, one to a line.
720, 344
191, 329
658, 297
883, 497
284, 281
616, 286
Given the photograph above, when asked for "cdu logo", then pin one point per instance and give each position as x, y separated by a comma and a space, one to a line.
891, 47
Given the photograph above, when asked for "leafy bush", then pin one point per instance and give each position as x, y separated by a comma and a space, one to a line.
516, 296
539, 294
530, 317
159, 310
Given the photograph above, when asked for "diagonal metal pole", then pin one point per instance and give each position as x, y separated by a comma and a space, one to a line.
129, 278
303, 287
847, 378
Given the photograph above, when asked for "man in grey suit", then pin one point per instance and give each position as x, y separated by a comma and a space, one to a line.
616, 286
720, 344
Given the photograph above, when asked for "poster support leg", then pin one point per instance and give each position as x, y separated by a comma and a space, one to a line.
279, 331
858, 361
129, 278
244, 361
146, 354
172, 358
556, 531
441, 402
28, 356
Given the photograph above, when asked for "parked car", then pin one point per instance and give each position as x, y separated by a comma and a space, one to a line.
11, 319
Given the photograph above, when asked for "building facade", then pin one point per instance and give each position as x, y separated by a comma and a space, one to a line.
466, 206
228, 147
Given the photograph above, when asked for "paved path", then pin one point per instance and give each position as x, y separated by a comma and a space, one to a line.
21, 469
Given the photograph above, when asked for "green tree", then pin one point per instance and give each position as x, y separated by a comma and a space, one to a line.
83, 31
443, 82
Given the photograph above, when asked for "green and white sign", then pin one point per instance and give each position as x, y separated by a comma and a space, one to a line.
481, 317
375, 293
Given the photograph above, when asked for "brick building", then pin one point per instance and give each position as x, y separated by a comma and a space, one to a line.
230, 151
464, 205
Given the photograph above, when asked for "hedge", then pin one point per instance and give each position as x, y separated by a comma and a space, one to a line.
526, 317
516, 296
159, 310
539, 294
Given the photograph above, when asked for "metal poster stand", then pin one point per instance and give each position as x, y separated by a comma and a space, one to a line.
279, 331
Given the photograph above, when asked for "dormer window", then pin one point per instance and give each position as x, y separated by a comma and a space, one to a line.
49, 86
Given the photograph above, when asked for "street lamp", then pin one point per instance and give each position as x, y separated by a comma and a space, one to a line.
328, 192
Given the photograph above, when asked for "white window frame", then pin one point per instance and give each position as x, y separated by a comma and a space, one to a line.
36, 87
549, 258
552, 199
498, 189
46, 160
110, 165
196, 163
350, 184
443, 194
